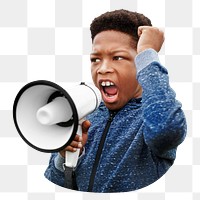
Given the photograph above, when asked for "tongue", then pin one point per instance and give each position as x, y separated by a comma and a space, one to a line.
111, 90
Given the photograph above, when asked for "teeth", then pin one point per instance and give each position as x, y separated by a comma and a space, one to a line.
107, 83
103, 84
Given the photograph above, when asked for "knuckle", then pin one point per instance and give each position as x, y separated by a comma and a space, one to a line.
73, 144
76, 137
68, 148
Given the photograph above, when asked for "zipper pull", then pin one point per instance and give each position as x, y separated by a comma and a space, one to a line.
112, 115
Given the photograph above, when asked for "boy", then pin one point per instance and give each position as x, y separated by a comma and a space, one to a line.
135, 131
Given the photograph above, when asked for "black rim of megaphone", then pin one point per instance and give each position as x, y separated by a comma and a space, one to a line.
65, 94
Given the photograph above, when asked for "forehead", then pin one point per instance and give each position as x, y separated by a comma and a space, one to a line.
114, 39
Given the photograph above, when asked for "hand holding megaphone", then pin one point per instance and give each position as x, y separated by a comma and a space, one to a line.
72, 152
79, 141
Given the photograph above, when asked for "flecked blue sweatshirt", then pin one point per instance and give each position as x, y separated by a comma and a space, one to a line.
141, 142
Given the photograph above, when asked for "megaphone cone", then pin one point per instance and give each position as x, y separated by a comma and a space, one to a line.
29, 101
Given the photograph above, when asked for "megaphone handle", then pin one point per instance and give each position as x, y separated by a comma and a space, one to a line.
71, 158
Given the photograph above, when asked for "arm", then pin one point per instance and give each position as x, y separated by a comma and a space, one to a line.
164, 120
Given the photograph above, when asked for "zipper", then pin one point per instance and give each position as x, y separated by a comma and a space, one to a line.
99, 150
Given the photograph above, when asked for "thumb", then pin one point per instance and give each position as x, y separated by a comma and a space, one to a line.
85, 127
140, 30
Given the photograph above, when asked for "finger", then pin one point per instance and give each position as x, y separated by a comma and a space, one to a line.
70, 148
141, 29
85, 138
85, 126
75, 144
77, 138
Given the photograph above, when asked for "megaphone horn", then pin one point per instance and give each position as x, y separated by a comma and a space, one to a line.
28, 101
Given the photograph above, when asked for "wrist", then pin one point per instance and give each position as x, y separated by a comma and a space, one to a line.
146, 57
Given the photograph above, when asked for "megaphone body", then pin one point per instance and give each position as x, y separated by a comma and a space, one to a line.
48, 117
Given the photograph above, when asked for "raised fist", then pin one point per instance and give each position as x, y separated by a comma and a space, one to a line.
149, 37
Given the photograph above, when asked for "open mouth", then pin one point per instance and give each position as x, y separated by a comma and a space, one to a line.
109, 91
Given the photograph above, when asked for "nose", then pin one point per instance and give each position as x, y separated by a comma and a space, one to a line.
105, 67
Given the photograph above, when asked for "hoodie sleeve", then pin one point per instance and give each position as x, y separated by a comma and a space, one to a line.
164, 120
53, 172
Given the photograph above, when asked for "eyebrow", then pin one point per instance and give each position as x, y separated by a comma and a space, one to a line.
112, 52
94, 53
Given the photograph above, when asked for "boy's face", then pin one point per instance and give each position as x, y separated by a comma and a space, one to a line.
113, 68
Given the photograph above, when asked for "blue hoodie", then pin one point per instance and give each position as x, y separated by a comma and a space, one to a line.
139, 141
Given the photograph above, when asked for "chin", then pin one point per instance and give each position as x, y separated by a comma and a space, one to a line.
113, 106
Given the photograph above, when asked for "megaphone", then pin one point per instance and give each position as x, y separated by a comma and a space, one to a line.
48, 117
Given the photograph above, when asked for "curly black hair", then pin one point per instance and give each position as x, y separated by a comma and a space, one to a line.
119, 20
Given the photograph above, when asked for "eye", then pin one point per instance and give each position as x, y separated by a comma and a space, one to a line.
95, 60
118, 58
